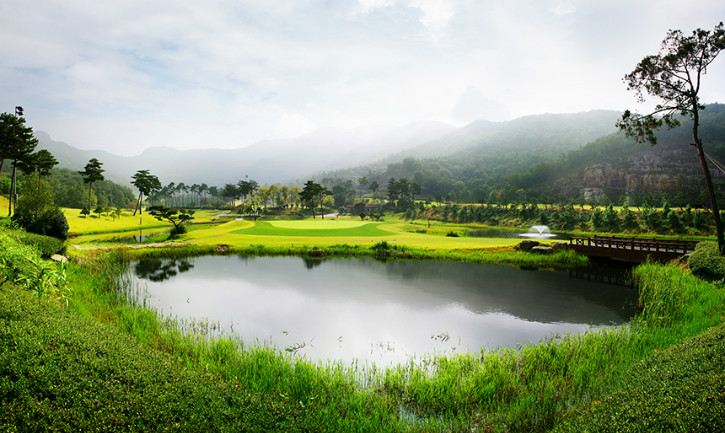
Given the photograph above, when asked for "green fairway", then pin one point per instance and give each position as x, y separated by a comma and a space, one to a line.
85, 225
330, 228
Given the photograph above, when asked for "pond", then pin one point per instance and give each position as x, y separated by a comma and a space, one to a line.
361, 309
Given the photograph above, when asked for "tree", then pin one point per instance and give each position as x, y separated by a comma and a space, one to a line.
308, 194
174, 216
41, 162
146, 183
17, 143
374, 187
673, 76
92, 172
231, 192
393, 190
36, 211
311, 192
247, 188
362, 183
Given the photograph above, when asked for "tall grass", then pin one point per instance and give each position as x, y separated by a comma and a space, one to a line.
22, 264
380, 250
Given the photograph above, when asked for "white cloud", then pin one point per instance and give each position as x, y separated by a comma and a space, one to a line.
133, 74
562, 7
437, 14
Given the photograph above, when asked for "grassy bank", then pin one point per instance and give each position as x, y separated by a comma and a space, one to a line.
530, 389
679, 389
382, 251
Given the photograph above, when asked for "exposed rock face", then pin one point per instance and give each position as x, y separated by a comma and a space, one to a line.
649, 170
658, 168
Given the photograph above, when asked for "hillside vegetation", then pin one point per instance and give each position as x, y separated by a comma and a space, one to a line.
556, 159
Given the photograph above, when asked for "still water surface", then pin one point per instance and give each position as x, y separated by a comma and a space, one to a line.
346, 309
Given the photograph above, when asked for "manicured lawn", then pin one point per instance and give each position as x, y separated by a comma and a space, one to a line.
308, 228
318, 233
90, 224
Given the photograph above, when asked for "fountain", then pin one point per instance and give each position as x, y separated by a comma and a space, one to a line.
538, 232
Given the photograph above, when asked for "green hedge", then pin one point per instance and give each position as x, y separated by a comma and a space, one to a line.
47, 245
707, 262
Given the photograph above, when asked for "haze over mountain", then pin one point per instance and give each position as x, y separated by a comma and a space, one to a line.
282, 161
271, 161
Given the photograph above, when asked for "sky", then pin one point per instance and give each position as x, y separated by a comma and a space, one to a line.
126, 75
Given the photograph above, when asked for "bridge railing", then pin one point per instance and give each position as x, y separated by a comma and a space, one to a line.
636, 244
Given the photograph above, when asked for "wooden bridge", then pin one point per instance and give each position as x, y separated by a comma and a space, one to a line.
635, 249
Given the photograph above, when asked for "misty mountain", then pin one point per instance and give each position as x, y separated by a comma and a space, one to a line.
272, 161
545, 133
486, 150
554, 158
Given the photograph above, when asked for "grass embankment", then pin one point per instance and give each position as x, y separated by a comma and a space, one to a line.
258, 388
63, 372
679, 389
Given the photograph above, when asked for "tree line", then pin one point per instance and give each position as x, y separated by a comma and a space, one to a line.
665, 220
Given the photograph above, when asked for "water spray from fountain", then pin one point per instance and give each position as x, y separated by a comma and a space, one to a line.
538, 232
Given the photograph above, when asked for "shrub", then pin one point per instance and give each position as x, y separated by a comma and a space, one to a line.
707, 262
51, 222
47, 245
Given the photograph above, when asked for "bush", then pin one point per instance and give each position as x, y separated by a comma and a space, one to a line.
707, 262
47, 245
52, 222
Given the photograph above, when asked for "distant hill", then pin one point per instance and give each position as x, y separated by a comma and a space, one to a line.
470, 160
617, 167
544, 133
555, 158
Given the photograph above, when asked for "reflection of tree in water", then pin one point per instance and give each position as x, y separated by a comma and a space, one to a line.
311, 263
161, 269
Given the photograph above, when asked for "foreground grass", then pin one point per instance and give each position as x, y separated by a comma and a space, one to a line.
680, 389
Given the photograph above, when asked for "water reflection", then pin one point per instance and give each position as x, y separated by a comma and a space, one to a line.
360, 308
158, 270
